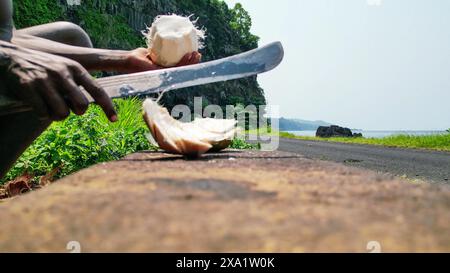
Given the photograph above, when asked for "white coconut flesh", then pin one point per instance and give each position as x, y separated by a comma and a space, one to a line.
216, 125
171, 37
186, 138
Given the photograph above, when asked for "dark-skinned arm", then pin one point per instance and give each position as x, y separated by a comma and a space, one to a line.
99, 59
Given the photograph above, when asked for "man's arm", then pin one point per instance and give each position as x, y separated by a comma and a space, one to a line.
6, 23
99, 59
90, 58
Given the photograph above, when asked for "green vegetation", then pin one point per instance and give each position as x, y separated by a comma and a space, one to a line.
108, 31
432, 142
31, 12
79, 142
241, 144
242, 23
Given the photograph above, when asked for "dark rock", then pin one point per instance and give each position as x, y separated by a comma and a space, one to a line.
334, 131
357, 135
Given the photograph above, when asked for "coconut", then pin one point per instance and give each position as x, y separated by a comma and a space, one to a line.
190, 138
171, 37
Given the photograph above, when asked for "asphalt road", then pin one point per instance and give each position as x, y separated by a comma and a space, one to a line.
430, 166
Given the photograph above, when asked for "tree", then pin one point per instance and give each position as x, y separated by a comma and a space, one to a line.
242, 24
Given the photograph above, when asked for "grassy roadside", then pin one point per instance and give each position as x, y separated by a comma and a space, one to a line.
432, 142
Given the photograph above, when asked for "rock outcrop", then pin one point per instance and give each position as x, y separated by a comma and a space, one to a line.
335, 131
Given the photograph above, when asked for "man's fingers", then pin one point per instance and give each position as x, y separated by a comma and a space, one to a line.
197, 58
77, 100
192, 58
185, 60
55, 102
83, 78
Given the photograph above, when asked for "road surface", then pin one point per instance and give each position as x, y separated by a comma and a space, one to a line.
426, 165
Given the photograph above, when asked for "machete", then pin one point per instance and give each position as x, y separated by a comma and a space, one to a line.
242, 65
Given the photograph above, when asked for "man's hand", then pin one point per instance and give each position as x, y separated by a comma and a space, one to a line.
139, 61
50, 84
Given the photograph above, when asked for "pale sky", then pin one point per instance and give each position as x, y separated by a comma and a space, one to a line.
357, 64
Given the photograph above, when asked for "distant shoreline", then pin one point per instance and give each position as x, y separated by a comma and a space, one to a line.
374, 133
437, 142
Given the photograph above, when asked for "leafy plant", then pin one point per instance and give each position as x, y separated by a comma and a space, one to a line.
79, 142
241, 144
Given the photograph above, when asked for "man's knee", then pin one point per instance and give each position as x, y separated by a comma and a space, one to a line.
74, 34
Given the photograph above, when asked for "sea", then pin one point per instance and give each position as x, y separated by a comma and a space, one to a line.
376, 134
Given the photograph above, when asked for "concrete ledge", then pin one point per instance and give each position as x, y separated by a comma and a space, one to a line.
230, 202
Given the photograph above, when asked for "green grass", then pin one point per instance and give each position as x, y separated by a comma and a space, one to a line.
79, 142
432, 142
82, 141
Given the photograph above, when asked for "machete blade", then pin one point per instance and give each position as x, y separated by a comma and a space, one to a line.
242, 65
238, 66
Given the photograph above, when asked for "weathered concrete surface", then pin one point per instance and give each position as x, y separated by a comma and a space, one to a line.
235, 201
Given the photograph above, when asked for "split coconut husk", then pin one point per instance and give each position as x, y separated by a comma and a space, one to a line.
191, 138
